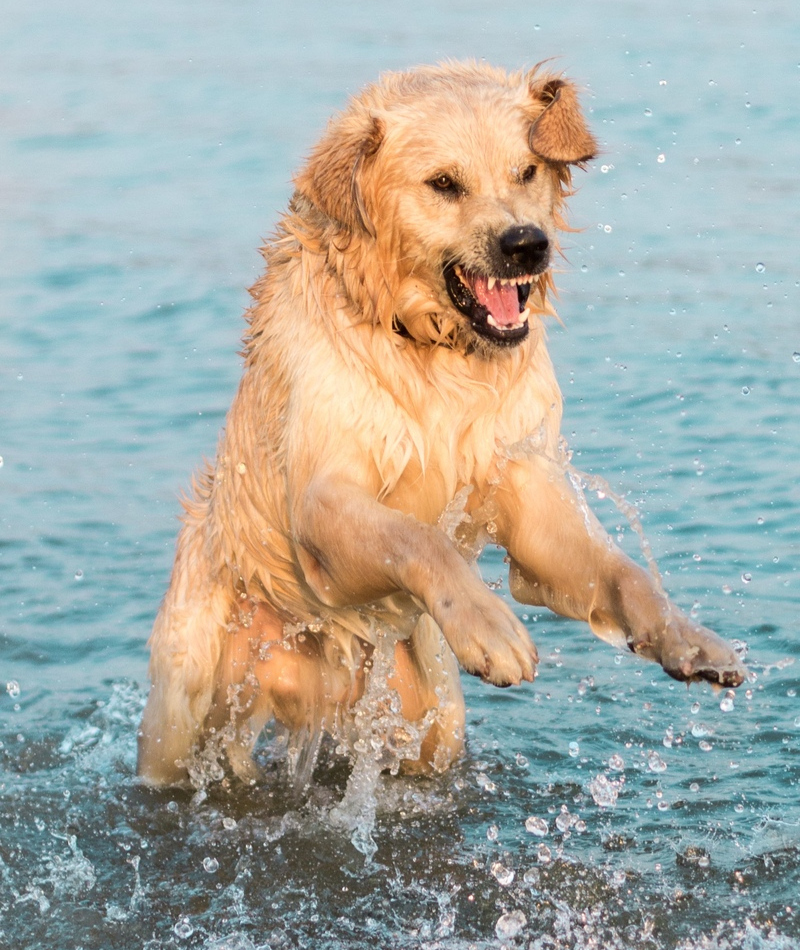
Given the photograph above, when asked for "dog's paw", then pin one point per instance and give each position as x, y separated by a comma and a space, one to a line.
488, 640
690, 652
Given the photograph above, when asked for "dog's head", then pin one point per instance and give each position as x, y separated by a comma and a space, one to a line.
449, 181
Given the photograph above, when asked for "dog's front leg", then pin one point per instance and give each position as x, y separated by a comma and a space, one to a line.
562, 558
354, 550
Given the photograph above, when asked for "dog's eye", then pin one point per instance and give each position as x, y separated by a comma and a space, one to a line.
528, 174
446, 186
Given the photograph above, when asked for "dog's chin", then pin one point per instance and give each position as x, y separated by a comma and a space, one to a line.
493, 309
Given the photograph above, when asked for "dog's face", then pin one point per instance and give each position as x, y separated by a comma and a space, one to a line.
455, 173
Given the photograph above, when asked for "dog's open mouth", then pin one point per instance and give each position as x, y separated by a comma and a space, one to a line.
496, 307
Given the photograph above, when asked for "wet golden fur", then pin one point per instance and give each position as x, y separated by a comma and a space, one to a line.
377, 440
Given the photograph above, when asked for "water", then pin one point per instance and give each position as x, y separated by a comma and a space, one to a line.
144, 152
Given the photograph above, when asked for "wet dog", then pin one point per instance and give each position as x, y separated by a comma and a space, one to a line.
397, 410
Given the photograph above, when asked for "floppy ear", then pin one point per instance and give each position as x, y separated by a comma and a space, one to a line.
559, 134
331, 177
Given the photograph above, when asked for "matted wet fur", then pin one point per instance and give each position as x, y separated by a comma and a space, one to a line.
397, 409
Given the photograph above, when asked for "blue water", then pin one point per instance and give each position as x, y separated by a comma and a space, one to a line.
145, 151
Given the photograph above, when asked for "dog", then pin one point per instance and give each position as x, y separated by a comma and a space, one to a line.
398, 410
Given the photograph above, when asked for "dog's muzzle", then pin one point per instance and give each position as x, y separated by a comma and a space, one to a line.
496, 302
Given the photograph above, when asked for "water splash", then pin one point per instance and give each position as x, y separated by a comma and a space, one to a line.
605, 791
510, 925
536, 445
381, 739
580, 482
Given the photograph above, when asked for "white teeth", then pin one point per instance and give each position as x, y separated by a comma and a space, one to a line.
523, 319
492, 281
458, 271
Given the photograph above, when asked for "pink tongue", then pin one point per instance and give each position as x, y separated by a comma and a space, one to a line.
502, 301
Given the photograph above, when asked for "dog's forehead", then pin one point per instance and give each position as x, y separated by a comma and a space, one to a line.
474, 126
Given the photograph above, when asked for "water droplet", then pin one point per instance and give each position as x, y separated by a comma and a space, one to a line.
616, 762
661, 158
700, 731
574, 749
746, 578
727, 589
648, 112
503, 875
662, 82
543, 854
760, 268
492, 832
796, 357
210, 865
510, 925
604, 791
604, 169
607, 228
183, 928
655, 763
745, 390
1, 457
532, 877
536, 826
79, 575
705, 745
738, 808
564, 820
585, 269
482, 780
229, 823
726, 705
12, 688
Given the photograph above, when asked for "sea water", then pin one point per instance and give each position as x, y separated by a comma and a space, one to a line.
145, 151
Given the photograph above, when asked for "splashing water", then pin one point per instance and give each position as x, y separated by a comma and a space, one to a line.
580, 481
605, 791
536, 445
381, 739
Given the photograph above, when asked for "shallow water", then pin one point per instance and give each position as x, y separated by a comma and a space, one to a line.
144, 151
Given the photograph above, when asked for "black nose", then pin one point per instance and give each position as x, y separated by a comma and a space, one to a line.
525, 245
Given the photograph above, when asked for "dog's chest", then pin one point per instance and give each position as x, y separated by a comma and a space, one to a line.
451, 438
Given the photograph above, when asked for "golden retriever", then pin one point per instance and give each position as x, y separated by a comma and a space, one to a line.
397, 410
